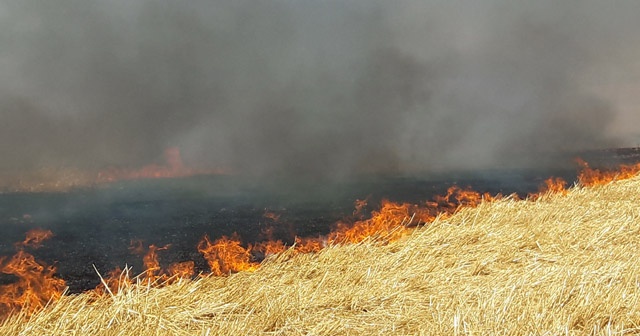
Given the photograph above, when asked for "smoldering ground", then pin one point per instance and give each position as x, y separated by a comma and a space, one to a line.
320, 88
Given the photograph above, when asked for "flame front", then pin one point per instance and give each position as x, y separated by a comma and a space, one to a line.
590, 177
37, 284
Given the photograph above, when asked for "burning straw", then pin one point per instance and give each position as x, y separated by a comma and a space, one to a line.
559, 264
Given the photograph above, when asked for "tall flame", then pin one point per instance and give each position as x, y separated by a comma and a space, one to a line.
36, 282
226, 255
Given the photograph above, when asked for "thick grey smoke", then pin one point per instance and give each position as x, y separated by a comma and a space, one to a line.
313, 87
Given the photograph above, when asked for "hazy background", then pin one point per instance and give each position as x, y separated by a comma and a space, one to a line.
315, 87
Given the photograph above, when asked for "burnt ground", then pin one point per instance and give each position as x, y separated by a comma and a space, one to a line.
95, 226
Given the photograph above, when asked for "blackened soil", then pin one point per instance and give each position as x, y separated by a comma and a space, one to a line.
96, 226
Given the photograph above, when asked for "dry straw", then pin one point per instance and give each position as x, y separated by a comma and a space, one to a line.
559, 265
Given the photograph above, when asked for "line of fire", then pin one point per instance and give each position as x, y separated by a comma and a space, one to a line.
160, 223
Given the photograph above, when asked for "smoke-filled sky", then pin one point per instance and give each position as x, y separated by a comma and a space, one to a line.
318, 87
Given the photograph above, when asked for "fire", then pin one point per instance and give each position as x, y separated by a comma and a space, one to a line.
36, 282
226, 255
393, 219
182, 270
62, 179
359, 206
590, 177
555, 185
271, 216
35, 237
153, 273
136, 247
152, 265
456, 198
391, 222
270, 247
115, 280
390, 219
309, 245
173, 167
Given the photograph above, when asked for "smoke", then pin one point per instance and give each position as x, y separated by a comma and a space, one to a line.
319, 88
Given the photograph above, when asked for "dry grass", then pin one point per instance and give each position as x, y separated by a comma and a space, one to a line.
559, 265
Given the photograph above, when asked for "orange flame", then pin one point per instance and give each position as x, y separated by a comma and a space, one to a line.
554, 185
114, 281
226, 255
150, 260
270, 247
173, 167
309, 245
390, 218
153, 273
591, 177
359, 205
66, 178
393, 219
182, 270
136, 247
271, 215
35, 237
36, 282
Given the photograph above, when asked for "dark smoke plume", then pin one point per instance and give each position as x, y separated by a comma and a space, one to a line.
320, 88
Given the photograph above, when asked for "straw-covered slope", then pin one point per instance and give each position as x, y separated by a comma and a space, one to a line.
561, 264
